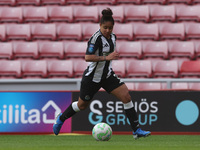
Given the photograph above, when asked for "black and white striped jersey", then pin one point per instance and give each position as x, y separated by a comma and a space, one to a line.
100, 46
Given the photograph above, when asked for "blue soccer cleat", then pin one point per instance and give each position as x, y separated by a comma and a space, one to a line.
57, 125
140, 133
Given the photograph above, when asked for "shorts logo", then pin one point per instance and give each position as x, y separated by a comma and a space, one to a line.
87, 97
91, 48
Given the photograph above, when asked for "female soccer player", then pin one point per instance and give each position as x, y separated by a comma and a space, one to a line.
100, 53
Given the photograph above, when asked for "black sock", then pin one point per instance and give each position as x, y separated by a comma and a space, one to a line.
133, 118
69, 112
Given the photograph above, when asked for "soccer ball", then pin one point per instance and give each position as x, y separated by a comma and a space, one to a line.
102, 132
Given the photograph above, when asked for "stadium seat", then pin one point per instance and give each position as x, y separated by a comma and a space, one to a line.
136, 13
89, 29
129, 49
192, 31
75, 49
123, 31
10, 69
145, 31
162, 13
181, 49
148, 86
6, 50
25, 49
128, 1
18, 31
43, 31
60, 13
2, 32
51, 49
35, 14
139, 69
172, 31
195, 1
130, 86
119, 68
165, 69
56, 2
179, 1
34, 69
118, 12
11, 14
8, 2
71, 31
194, 86
111, 2
197, 48
188, 13
28, 2
86, 14
179, 86
86, 2
190, 69
79, 66
155, 49
154, 1
60, 69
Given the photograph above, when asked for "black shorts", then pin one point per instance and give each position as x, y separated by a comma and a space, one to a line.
90, 88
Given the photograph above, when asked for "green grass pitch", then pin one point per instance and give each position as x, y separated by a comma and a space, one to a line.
86, 142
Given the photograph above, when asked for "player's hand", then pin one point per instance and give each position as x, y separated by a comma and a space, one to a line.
113, 56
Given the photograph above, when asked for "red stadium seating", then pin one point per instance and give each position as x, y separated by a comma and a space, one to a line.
51, 49
28, 2
166, 68
197, 48
136, 13
119, 68
48, 2
196, 1
155, 49
5, 50
153, 1
2, 32
112, 2
18, 31
192, 30
194, 86
60, 69
43, 31
172, 31
188, 13
25, 50
11, 14
8, 2
34, 69
181, 49
148, 86
179, 86
69, 31
79, 66
145, 31
128, 1
118, 12
138, 69
190, 69
86, 14
162, 13
10, 69
123, 31
89, 29
60, 13
75, 49
35, 14
86, 2
128, 49
180, 1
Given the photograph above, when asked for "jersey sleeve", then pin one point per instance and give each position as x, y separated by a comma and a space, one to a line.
93, 45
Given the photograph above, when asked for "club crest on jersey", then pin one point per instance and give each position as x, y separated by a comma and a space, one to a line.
91, 48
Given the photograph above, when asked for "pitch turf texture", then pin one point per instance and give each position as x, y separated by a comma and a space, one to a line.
86, 142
